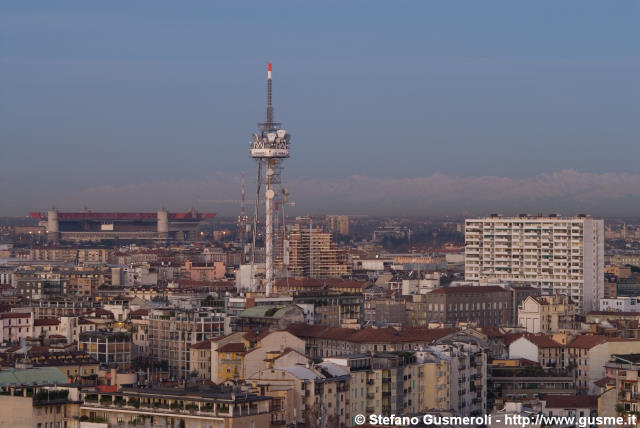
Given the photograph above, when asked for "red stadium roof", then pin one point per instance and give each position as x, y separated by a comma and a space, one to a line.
189, 215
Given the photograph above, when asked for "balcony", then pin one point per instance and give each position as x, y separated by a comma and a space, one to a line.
150, 407
50, 397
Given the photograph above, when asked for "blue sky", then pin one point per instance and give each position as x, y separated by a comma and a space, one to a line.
124, 94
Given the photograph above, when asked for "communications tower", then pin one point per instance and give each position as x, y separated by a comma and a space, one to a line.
269, 146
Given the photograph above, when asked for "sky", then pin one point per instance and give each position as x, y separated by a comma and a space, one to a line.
396, 107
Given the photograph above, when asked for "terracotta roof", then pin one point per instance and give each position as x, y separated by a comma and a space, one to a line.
338, 333
491, 331
46, 321
100, 311
526, 362
605, 381
233, 347
345, 283
540, 340
16, 315
256, 335
586, 341
315, 283
217, 338
571, 401
371, 335
306, 330
540, 300
188, 283
509, 338
285, 351
543, 341
299, 282
614, 313
205, 344
468, 289
139, 312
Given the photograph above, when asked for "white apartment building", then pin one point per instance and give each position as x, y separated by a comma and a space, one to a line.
620, 304
559, 255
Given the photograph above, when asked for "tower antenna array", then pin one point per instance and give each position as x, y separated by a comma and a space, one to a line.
269, 146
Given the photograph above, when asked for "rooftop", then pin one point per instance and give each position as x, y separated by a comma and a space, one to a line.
266, 311
371, 335
469, 289
33, 376
571, 401
626, 358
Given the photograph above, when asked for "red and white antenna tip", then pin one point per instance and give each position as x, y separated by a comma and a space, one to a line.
269, 71
269, 68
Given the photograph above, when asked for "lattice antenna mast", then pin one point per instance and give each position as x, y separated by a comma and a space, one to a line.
243, 218
270, 146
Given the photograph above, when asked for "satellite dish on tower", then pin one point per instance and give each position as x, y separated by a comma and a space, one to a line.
270, 194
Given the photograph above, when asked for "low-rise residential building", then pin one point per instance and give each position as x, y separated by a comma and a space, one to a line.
546, 314
482, 305
579, 406
334, 310
139, 320
590, 353
15, 326
172, 332
171, 407
204, 271
620, 304
238, 356
466, 362
37, 397
624, 370
45, 327
320, 393
539, 348
111, 348
200, 361
322, 341
525, 381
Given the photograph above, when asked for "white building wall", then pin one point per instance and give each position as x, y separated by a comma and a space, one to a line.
522, 348
529, 316
620, 304
556, 254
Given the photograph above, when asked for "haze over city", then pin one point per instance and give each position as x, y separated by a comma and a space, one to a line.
410, 108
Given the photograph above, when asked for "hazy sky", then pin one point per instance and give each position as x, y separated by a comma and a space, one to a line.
142, 104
